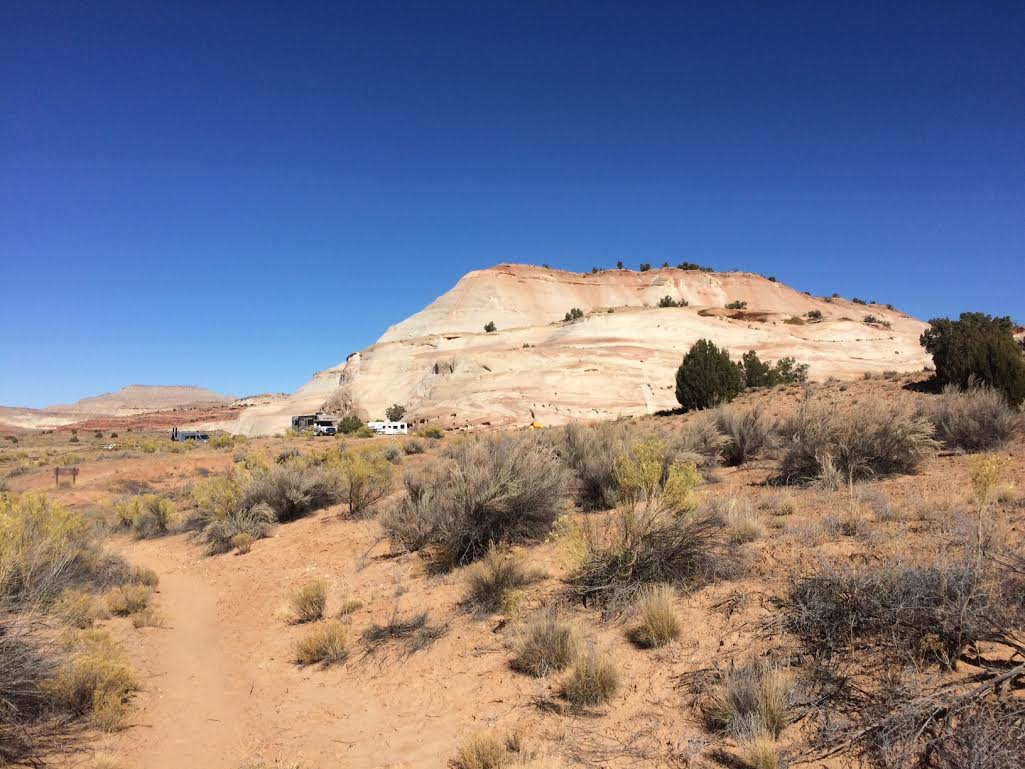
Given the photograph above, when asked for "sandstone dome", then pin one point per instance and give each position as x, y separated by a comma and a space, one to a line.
619, 359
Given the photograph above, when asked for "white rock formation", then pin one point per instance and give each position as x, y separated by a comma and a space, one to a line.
620, 359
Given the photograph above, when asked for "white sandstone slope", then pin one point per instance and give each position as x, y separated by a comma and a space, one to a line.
619, 360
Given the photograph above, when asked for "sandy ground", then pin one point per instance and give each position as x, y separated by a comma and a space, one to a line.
220, 686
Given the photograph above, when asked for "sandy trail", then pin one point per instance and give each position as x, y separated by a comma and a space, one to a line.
196, 687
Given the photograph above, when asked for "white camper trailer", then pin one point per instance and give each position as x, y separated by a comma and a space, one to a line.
389, 428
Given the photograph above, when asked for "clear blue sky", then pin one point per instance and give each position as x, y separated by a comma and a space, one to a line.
235, 195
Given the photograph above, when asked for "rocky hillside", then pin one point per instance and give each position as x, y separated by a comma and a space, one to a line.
619, 359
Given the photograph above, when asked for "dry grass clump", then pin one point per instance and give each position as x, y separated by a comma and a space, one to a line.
128, 599
751, 701
915, 613
324, 644
760, 751
94, 681
79, 608
747, 431
658, 624
243, 542
307, 602
546, 644
412, 634
141, 575
481, 751
876, 437
593, 680
743, 524
490, 581
642, 545
499, 488
148, 617
976, 419
293, 490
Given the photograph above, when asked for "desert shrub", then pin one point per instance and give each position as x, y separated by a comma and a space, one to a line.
644, 267
350, 423
747, 431
393, 454
222, 441
293, 491
701, 437
490, 327
412, 523
975, 419
288, 455
707, 377
128, 599
307, 602
433, 432
875, 438
243, 542
32, 726
413, 446
395, 412
814, 314
45, 547
766, 374
411, 634
657, 621
977, 348
366, 478
642, 545
751, 700
147, 515
736, 305
574, 314
648, 470
590, 451
668, 301
693, 266
490, 580
788, 371
926, 613
593, 680
94, 681
222, 533
490, 490
324, 644
546, 644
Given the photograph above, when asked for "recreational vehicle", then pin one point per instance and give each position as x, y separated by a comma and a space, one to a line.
389, 428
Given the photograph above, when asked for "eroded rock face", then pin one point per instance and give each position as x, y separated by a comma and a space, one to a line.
620, 359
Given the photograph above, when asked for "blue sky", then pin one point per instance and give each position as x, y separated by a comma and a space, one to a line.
235, 195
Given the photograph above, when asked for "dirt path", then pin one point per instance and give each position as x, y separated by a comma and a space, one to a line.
192, 709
